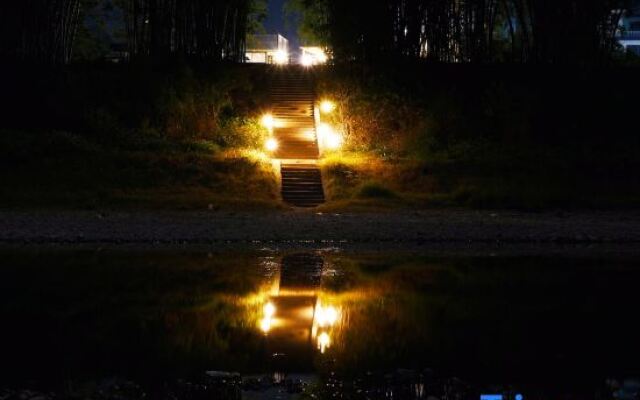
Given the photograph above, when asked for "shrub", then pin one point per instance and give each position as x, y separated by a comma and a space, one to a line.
375, 190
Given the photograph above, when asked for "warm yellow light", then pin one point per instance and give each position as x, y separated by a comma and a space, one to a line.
329, 138
281, 57
322, 57
326, 316
265, 324
324, 342
327, 106
267, 121
269, 310
306, 60
333, 141
271, 144
324, 130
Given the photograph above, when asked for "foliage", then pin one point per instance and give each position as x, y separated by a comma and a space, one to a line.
484, 137
68, 170
536, 31
202, 29
257, 15
40, 31
204, 101
311, 18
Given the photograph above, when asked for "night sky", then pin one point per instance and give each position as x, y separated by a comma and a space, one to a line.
275, 23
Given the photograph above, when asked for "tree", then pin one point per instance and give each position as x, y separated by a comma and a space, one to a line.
38, 31
477, 31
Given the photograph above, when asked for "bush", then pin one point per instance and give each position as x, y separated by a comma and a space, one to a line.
215, 102
375, 190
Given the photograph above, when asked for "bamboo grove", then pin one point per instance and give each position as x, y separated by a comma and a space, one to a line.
43, 31
38, 30
527, 31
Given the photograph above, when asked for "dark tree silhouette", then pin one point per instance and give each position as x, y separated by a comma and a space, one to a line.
39, 31
535, 31
43, 31
213, 29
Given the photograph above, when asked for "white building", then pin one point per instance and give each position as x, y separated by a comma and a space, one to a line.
629, 33
267, 49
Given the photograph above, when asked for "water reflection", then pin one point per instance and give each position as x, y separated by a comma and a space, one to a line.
382, 319
293, 315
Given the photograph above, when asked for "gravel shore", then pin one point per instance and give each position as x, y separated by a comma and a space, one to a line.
431, 226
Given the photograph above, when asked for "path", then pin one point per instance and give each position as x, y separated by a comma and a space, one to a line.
292, 100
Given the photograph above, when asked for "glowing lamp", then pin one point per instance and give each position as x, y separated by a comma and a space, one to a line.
333, 141
281, 57
330, 139
271, 145
327, 106
306, 60
267, 121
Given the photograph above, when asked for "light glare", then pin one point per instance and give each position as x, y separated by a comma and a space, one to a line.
267, 121
327, 106
265, 324
306, 60
269, 310
324, 342
271, 145
281, 57
326, 316
329, 138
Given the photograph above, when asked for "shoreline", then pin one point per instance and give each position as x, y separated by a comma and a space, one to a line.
289, 229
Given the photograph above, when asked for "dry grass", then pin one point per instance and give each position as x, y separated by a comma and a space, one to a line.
55, 172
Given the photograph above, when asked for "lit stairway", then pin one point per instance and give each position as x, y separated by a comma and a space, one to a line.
301, 184
292, 100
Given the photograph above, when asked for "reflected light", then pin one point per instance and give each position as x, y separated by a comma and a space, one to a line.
281, 57
265, 324
267, 121
269, 310
271, 144
327, 106
326, 316
324, 342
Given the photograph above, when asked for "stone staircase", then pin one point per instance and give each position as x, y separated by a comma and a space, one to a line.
292, 99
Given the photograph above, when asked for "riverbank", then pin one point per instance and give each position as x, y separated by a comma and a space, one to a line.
299, 227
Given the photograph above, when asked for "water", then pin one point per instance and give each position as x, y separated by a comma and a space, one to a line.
362, 325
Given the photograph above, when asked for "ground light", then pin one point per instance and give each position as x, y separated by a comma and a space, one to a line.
267, 121
271, 145
281, 57
329, 138
327, 106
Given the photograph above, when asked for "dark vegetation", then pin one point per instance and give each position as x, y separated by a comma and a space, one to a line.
468, 31
486, 136
482, 103
45, 31
167, 135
